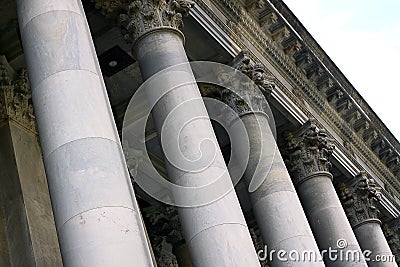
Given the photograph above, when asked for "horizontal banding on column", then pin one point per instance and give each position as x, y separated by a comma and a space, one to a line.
217, 213
87, 174
221, 242
117, 244
70, 105
29, 10
60, 40
279, 222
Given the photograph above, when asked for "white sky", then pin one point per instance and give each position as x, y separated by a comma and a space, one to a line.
362, 37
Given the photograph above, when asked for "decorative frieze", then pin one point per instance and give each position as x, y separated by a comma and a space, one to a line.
15, 97
360, 200
308, 152
259, 35
253, 7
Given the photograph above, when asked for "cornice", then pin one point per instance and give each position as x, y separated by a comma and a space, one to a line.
326, 60
312, 85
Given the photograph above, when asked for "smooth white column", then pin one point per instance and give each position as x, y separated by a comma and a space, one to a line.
97, 217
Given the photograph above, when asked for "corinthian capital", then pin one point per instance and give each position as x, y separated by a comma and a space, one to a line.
245, 90
254, 71
360, 200
138, 17
308, 151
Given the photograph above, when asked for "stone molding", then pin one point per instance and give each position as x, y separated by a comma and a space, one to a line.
360, 200
139, 17
307, 152
15, 97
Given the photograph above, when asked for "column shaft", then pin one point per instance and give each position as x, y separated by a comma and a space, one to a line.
96, 214
371, 237
216, 233
328, 219
276, 205
308, 154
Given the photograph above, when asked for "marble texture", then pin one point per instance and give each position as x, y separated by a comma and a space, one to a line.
85, 167
276, 205
216, 232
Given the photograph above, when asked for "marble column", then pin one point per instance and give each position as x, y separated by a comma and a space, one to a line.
96, 214
275, 203
215, 232
308, 152
360, 200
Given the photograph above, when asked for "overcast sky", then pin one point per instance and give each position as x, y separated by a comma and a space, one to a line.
362, 37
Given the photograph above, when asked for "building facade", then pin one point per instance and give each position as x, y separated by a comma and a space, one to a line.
108, 156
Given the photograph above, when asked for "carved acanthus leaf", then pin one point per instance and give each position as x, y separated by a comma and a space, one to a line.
308, 151
15, 97
164, 233
165, 220
246, 93
360, 199
139, 17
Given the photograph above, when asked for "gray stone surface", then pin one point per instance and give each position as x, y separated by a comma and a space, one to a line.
327, 218
36, 198
12, 201
216, 233
276, 205
95, 209
4, 250
371, 237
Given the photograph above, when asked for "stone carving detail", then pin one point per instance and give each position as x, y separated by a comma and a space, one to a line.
253, 7
259, 35
392, 233
163, 253
143, 16
164, 232
249, 98
360, 199
15, 97
138, 17
308, 151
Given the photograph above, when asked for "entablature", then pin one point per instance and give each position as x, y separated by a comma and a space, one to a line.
307, 87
